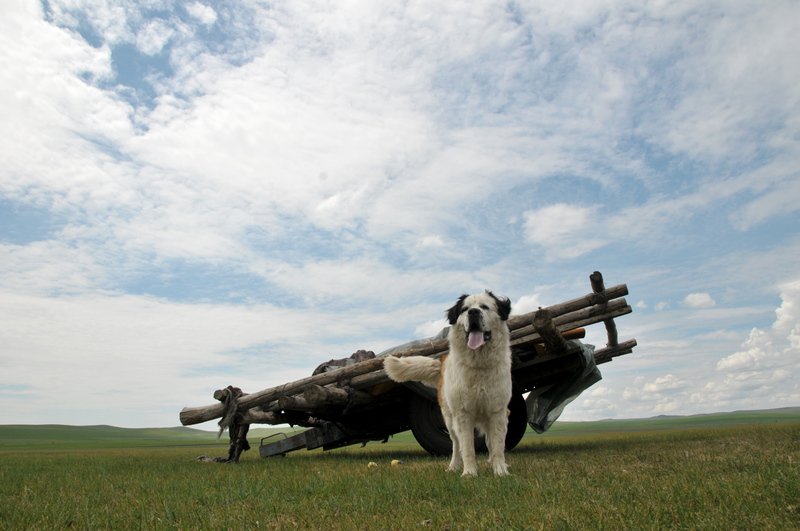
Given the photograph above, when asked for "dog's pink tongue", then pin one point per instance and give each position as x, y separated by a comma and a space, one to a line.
475, 340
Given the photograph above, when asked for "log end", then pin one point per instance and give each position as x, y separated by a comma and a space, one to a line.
187, 417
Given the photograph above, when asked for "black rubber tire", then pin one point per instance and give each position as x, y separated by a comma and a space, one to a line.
431, 433
428, 427
517, 421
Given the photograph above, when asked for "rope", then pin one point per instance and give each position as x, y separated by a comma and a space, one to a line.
230, 407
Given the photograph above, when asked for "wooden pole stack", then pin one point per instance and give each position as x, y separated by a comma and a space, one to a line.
326, 389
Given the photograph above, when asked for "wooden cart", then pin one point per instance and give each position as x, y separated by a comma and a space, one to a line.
358, 403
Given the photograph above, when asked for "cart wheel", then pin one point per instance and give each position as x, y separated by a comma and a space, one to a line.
517, 421
428, 427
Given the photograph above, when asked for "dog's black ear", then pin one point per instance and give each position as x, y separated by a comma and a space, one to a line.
503, 306
455, 311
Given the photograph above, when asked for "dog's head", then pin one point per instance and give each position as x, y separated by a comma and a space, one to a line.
478, 315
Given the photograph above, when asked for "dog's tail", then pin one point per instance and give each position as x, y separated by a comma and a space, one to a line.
413, 369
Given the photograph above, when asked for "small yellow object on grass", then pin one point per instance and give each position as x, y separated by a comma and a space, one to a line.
397, 462
372, 464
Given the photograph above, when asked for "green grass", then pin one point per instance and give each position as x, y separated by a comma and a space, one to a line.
35, 437
742, 477
714, 420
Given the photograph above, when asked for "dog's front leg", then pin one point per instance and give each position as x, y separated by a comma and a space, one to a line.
455, 461
496, 442
465, 433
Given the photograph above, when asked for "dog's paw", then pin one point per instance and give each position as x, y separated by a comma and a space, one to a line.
500, 469
469, 473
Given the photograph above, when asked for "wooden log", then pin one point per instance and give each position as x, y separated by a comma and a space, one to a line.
564, 321
318, 395
586, 321
196, 415
379, 376
579, 303
544, 326
255, 416
297, 403
598, 286
606, 354
222, 394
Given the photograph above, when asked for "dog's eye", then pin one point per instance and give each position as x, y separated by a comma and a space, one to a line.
485, 307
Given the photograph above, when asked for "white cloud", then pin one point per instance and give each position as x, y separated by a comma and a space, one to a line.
783, 197
153, 37
705, 374
769, 356
141, 354
364, 162
202, 12
663, 383
362, 281
49, 267
147, 357
730, 100
717, 335
564, 230
527, 304
433, 240
788, 315
431, 328
699, 300
659, 396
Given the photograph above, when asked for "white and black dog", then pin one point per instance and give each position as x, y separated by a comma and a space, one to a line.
474, 379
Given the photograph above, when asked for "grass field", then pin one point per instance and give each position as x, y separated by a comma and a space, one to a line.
35, 437
736, 477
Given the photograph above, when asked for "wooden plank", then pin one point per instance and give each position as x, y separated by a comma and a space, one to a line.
283, 446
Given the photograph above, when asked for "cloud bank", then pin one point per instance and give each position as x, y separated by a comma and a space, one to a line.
188, 188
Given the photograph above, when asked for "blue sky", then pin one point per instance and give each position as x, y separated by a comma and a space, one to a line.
198, 194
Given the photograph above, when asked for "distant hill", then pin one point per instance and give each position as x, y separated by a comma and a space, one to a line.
662, 422
58, 436
54, 436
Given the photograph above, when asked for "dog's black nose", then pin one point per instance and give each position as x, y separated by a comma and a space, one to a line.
474, 311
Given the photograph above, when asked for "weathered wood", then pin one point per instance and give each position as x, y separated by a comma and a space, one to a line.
318, 395
297, 403
586, 321
196, 415
598, 286
256, 416
371, 374
606, 354
380, 376
565, 321
579, 303
553, 340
